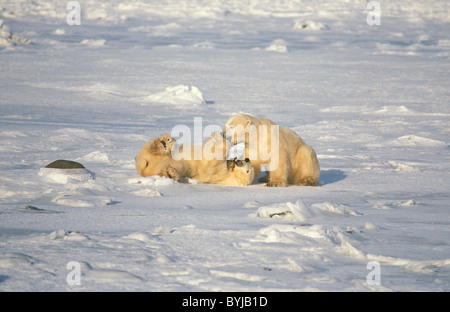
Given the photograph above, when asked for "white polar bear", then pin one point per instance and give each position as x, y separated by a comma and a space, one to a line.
280, 150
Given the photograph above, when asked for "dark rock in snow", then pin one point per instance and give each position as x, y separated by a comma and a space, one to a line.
65, 164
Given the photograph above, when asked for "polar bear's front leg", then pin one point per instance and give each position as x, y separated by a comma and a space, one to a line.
278, 177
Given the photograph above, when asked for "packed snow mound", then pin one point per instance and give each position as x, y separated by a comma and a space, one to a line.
278, 45
152, 181
299, 211
180, 95
415, 140
63, 176
94, 42
97, 157
147, 193
83, 200
389, 109
334, 208
8, 39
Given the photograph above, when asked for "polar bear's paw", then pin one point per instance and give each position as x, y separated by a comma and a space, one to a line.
307, 182
276, 184
171, 173
162, 145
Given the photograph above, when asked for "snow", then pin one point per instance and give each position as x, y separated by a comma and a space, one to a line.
64, 175
373, 101
180, 95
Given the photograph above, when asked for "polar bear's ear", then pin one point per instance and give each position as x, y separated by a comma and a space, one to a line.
248, 122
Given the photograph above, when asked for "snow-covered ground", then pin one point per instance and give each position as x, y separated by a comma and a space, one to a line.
372, 100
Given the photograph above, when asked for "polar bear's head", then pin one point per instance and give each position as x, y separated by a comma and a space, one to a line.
153, 152
260, 135
239, 128
242, 171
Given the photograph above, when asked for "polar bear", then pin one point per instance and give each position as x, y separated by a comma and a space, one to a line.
276, 149
156, 158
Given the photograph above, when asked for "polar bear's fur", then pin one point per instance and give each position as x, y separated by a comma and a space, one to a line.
156, 158
211, 167
225, 172
292, 161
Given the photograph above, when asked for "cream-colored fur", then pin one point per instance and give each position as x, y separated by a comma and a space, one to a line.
155, 158
295, 162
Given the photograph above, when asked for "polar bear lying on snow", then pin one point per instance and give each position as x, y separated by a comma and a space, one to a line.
276, 149
156, 158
